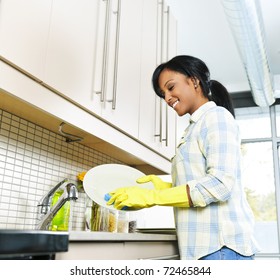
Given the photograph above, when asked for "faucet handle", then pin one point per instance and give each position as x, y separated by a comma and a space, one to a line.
46, 199
54, 189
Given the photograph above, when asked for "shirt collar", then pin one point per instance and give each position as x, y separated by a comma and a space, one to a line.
201, 111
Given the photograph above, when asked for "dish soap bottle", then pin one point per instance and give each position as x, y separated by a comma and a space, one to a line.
60, 221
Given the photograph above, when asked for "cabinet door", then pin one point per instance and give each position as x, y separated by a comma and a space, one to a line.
157, 126
71, 48
121, 106
167, 115
24, 29
148, 118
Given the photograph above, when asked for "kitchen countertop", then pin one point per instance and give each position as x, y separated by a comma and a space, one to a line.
118, 237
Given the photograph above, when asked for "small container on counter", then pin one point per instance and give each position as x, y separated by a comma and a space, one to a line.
104, 224
113, 221
132, 222
88, 214
123, 222
96, 216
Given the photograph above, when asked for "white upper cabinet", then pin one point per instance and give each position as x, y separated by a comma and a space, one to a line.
119, 81
93, 57
157, 122
71, 48
149, 119
167, 115
24, 27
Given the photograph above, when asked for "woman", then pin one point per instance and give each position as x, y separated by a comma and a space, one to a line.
213, 218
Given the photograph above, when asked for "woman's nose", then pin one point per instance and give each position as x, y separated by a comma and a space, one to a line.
167, 97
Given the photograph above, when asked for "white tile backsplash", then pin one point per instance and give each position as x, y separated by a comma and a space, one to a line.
33, 160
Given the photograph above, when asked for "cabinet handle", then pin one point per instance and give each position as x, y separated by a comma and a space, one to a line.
105, 52
167, 32
167, 57
159, 61
164, 56
166, 126
160, 134
160, 122
162, 33
116, 61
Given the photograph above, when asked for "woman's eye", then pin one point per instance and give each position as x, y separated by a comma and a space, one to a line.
171, 88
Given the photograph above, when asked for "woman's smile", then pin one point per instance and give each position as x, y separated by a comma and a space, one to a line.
175, 103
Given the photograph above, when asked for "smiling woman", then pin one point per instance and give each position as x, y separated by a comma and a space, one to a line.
206, 190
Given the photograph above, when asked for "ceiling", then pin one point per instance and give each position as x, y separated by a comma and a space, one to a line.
204, 31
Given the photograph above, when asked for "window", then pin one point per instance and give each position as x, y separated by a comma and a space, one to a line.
254, 122
258, 179
261, 172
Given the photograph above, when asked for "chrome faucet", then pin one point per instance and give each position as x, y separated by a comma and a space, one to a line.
46, 212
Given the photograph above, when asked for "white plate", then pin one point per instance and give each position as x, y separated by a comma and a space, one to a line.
105, 178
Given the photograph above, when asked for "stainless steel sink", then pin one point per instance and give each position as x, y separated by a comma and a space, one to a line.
32, 244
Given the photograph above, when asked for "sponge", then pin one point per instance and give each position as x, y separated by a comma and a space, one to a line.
107, 197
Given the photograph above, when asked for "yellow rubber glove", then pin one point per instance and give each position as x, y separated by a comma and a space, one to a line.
138, 198
158, 183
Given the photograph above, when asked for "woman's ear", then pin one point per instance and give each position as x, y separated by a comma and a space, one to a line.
195, 82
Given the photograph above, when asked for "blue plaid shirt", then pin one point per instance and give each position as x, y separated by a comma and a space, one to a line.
208, 159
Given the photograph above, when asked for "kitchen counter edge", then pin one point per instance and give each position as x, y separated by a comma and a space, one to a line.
112, 237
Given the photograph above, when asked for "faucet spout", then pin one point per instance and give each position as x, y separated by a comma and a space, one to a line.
45, 202
70, 193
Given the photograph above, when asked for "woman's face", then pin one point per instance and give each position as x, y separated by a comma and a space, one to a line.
181, 93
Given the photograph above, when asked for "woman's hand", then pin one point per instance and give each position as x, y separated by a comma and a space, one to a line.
158, 183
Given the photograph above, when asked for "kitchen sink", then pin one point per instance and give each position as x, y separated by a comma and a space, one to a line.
32, 244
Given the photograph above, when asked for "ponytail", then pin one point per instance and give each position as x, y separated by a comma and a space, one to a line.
219, 94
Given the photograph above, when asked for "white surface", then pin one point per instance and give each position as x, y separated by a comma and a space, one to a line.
105, 178
157, 217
